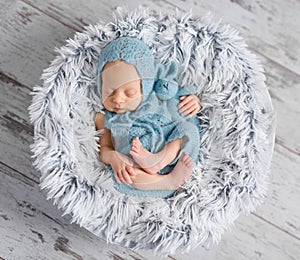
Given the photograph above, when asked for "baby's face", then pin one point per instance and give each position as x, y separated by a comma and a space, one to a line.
121, 87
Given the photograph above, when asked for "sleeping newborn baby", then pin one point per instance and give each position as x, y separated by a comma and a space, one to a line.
150, 147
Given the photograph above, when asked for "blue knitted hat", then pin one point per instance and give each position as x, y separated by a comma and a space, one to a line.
132, 51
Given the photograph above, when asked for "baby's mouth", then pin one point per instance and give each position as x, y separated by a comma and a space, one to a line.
119, 109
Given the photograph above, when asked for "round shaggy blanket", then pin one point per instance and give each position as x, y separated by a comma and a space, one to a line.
236, 142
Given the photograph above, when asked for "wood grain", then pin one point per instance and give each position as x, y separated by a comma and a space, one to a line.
29, 34
27, 219
271, 31
284, 87
28, 39
250, 238
16, 133
78, 14
31, 226
282, 204
269, 27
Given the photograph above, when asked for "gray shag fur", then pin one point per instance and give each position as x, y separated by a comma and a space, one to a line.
236, 143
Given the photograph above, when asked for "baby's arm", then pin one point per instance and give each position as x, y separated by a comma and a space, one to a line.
120, 163
189, 105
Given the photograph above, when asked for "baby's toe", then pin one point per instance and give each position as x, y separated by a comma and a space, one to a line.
138, 142
183, 157
191, 164
134, 147
133, 153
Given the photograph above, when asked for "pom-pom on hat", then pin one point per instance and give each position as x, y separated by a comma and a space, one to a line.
133, 51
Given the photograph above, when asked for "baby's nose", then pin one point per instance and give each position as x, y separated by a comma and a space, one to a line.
118, 97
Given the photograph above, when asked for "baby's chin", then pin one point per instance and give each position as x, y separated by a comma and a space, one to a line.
115, 110
121, 110
125, 109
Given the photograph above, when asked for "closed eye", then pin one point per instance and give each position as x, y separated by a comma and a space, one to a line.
131, 93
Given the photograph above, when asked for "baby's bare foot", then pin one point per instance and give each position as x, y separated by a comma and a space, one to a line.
150, 162
181, 172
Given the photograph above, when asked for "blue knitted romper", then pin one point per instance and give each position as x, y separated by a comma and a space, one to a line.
156, 122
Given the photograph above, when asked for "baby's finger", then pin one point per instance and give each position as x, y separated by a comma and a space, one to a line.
185, 101
117, 178
120, 175
130, 170
187, 107
190, 111
126, 177
194, 112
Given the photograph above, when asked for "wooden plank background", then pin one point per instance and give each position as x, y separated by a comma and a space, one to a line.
32, 228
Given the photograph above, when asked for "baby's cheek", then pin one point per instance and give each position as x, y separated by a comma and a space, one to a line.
107, 104
134, 103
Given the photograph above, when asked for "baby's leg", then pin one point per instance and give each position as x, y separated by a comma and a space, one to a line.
153, 162
171, 181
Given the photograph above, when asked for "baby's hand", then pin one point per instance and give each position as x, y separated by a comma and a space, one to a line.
189, 105
122, 166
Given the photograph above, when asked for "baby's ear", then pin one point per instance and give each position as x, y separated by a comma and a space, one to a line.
169, 70
160, 70
172, 69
